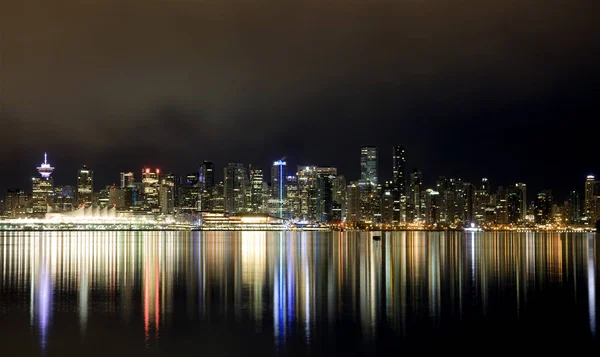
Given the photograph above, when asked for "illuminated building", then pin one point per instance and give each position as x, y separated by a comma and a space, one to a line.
432, 206
256, 187
64, 198
85, 186
324, 197
150, 185
592, 200
235, 185
189, 195
523, 188
278, 186
15, 203
292, 203
353, 203
482, 201
307, 191
574, 208
339, 198
399, 181
166, 193
388, 202
206, 177
415, 208
543, 207
368, 165
42, 188
127, 179
218, 197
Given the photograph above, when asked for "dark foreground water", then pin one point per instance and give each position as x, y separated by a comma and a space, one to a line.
257, 294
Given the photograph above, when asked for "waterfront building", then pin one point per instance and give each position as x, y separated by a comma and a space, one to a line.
368, 165
42, 188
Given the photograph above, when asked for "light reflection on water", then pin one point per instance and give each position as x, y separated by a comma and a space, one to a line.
294, 286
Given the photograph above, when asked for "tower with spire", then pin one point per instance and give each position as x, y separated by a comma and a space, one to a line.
43, 187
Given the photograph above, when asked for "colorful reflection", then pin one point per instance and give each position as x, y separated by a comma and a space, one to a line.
293, 285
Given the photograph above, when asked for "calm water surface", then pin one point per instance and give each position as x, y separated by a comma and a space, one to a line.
254, 293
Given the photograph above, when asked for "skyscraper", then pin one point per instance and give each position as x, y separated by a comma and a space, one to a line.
256, 186
416, 188
43, 187
307, 192
278, 186
150, 187
574, 208
523, 188
206, 177
324, 197
399, 182
14, 204
235, 186
591, 202
353, 203
368, 165
85, 186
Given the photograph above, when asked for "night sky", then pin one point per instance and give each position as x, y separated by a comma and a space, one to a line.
502, 89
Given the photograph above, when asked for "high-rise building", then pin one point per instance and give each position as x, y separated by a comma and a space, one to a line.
43, 188
415, 208
127, 179
353, 203
190, 199
235, 186
293, 203
387, 202
574, 208
166, 193
278, 186
256, 187
399, 181
15, 203
592, 192
85, 186
523, 188
307, 192
432, 207
206, 176
151, 186
218, 197
543, 207
339, 198
368, 165
324, 197
116, 197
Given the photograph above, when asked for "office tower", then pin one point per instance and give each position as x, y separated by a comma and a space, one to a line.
399, 181
324, 196
278, 187
235, 185
416, 213
387, 202
339, 198
543, 207
166, 193
470, 206
190, 199
482, 201
590, 200
307, 191
293, 203
15, 203
206, 176
127, 179
514, 204
574, 208
442, 188
85, 186
523, 188
43, 188
368, 165
64, 198
218, 197
502, 206
256, 190
353, 203
369, 197
432, 207
150, 190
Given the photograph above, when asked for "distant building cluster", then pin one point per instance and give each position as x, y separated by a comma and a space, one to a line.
313, 194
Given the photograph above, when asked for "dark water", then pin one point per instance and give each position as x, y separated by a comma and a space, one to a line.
204, 294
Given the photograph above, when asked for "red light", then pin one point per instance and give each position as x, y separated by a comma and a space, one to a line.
147, 171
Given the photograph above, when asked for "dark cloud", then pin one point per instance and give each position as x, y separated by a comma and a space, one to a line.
472, 88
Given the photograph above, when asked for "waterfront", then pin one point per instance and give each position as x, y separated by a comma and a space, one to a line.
318, 293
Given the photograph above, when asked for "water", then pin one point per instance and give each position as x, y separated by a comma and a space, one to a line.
254, 293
